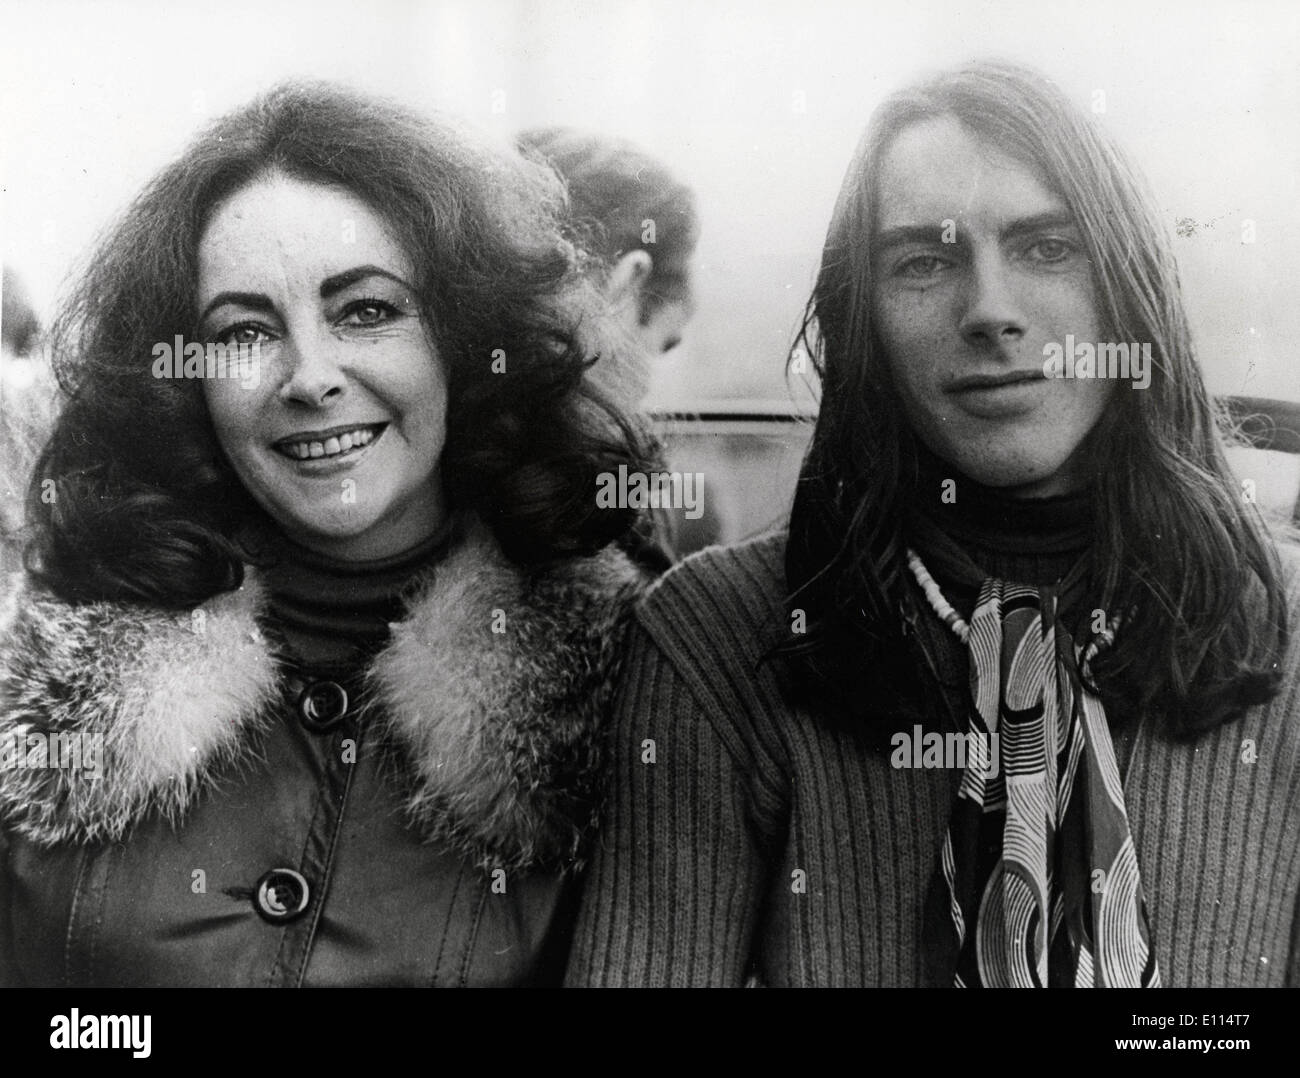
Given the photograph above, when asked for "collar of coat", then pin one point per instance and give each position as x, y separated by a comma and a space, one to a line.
492, 687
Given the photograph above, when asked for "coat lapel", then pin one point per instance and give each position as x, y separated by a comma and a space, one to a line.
491, 690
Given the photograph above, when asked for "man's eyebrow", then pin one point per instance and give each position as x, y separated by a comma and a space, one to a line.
1039, 222
904, 234
1021, 226
335, 284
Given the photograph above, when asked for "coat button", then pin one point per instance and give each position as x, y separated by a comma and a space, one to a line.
322, 705
282, 895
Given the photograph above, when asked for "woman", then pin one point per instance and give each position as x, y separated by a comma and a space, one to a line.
302, 686
1014, 701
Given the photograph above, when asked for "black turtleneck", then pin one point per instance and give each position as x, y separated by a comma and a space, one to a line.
328, 611
965, 532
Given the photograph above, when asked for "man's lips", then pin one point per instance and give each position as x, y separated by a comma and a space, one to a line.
328, 442
976, 382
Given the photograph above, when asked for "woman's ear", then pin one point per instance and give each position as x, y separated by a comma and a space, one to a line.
628, 278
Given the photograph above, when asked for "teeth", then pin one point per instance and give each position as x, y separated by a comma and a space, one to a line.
332, 446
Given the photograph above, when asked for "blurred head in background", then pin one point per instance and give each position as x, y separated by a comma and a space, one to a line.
27, 404
640, 221
18, 325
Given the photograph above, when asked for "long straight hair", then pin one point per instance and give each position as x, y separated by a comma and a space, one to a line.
1177, 549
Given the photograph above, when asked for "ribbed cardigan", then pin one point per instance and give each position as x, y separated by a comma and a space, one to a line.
746, 840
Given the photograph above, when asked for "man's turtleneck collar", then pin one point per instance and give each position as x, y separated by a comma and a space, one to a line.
965, 531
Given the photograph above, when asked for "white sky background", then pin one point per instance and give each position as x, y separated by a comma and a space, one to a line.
97, 96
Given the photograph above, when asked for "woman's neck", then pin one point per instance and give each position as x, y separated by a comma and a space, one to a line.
331, 610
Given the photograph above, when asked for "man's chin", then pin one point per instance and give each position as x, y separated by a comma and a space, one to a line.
1024, 479
1047, 485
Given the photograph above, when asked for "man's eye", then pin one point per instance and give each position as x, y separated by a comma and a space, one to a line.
920, 266
1051, 250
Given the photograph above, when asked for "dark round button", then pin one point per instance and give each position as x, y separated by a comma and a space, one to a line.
282, 895
322, 705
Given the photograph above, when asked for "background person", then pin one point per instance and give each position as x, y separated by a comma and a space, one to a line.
642, 224
28, 401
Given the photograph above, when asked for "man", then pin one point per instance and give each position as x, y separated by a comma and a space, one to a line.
640, 222
1014, 701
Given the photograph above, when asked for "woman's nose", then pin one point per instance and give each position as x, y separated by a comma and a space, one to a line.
993, 314
314, 378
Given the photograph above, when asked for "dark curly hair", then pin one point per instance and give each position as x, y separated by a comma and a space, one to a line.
132, 498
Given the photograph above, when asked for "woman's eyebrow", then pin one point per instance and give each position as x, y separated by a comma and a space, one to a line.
339, 281
255, 300
329, 287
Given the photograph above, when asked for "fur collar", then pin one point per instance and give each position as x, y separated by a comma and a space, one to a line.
498, 728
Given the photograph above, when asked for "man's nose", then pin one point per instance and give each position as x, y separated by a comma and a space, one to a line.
314, 378
993, 315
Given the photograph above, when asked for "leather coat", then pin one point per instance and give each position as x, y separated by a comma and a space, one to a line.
220, 818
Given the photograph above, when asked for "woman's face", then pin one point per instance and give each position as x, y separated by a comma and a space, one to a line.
339, 436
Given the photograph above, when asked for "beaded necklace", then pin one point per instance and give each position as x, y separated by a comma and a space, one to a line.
934, 596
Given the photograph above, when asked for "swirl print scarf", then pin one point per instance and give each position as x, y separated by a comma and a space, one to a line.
1038, 881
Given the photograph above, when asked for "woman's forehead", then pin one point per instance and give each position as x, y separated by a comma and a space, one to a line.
279, 229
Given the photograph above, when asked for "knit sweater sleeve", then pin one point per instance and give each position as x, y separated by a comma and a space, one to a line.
674, 893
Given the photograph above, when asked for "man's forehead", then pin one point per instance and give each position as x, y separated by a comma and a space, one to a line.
938, 170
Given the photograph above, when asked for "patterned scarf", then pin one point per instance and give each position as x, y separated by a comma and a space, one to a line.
1038, 882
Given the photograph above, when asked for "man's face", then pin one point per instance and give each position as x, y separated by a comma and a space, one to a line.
660, 327
964, 322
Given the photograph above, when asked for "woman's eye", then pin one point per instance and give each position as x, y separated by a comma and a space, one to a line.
368, 312
920, 266
244, 334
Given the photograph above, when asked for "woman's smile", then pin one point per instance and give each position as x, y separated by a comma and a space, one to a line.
339, 443
341, 440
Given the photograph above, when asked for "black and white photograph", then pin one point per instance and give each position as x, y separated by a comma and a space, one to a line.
575, 494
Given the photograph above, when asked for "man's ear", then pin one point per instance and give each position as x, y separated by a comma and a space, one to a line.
628, 277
